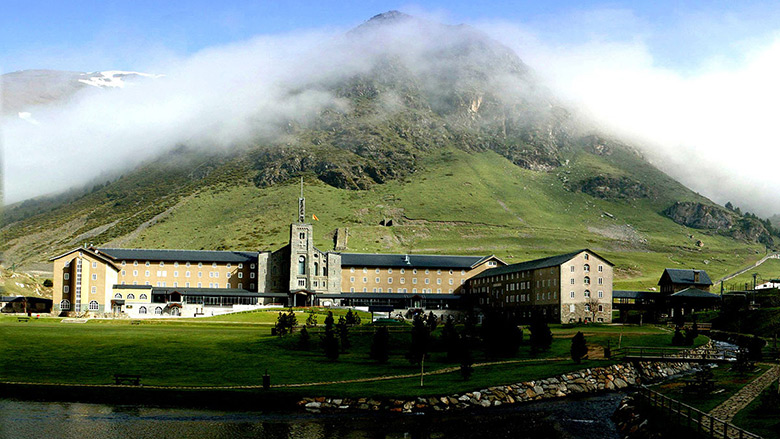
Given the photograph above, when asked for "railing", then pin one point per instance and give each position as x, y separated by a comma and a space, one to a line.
701, 354
703, 423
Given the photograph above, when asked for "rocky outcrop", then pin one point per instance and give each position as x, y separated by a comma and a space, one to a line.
614, 188
597, 379
709, 217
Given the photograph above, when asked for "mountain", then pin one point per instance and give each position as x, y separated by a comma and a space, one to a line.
443, 131
22, 91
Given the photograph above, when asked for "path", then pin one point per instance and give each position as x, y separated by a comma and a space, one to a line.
323, 383
761, 261
729, 408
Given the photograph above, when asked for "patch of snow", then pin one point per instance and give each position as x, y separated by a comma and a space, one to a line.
27, 117
112, 78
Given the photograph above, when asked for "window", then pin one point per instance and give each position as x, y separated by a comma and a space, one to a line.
147, 273
427, 271
123, 272
572, 268
252, 275
414, 280
376, 280
94, 264
438, 271
389, 280
586, 256
200, 284
572, 281
601, 268
123, 263
451, 281
65, 305
162, 264
571, 294
252, 266
158, 311
414, 271
376, 271
148, 264
131, 296
66, 276
601, 308
462, 272
142, 310
586, 268
240, 266
587, 307
601, 294
186, 274
301, 236
427, 281
135, 263
93, 305
200, 264
117, 296
352, 290
438, 281
186, 284
601, 281
586, 280
135, 272
200, 274
352, 270
228, 265
143, 296
587, 293
227, 275
94, 290
365, 270
240, 286
301, 282
302, 265
240, 274
316, 269
94, 276
251, 286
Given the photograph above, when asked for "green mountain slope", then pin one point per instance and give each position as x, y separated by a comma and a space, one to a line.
433, 139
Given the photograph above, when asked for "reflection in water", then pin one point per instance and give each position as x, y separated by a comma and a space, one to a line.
570, 418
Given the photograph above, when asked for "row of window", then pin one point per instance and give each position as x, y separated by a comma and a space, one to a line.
586, 280
403, 271
176, 264
587, 294
403, 280
212, 274
586, 268
402, 290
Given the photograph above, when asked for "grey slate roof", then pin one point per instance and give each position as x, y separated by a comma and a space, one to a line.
694, 293
551, 261
409, 261
130, 254
625, 294
683, 276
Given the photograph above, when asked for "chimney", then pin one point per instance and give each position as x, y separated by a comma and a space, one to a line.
695, 276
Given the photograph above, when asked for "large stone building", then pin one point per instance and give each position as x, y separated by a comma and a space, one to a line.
144, 282
566, 288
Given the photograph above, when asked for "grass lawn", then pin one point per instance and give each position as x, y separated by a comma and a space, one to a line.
729, 381
187, 352
757, 419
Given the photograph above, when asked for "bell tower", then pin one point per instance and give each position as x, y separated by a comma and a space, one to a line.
302, 251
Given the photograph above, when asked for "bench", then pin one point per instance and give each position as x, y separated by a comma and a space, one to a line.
134, 380
23, 319
135, 322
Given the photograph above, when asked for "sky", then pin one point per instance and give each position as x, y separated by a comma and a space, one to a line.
692, 82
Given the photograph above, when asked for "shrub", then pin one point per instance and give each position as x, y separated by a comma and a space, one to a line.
579, 348
380, 345
541, 336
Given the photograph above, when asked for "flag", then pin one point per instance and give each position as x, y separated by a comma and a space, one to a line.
315, 217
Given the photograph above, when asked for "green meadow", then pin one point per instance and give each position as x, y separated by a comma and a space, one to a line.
230, 351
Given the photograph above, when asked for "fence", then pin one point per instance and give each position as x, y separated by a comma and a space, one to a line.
676, 354
705, 424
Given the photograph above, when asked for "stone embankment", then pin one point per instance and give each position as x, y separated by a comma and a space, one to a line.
584, 381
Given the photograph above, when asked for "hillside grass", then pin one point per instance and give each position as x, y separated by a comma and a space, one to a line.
490, 206
770, 269
175, 352
727, 383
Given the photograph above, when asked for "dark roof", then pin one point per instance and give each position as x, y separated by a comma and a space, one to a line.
694, 293
132, 287
410, 261
625, 294
10, 298
92, 252
388, 296
205, 291
685, 277
551, 261
131, 254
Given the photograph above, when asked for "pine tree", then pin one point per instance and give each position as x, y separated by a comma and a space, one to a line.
466, 361
380, 345
418, 348
281, 324
432, 321
541, 336
342, 329
311, 320
303, 339
579, 348
330, 343
450, 339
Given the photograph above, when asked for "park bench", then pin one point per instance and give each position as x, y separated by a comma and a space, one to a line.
121, 378
23, 319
